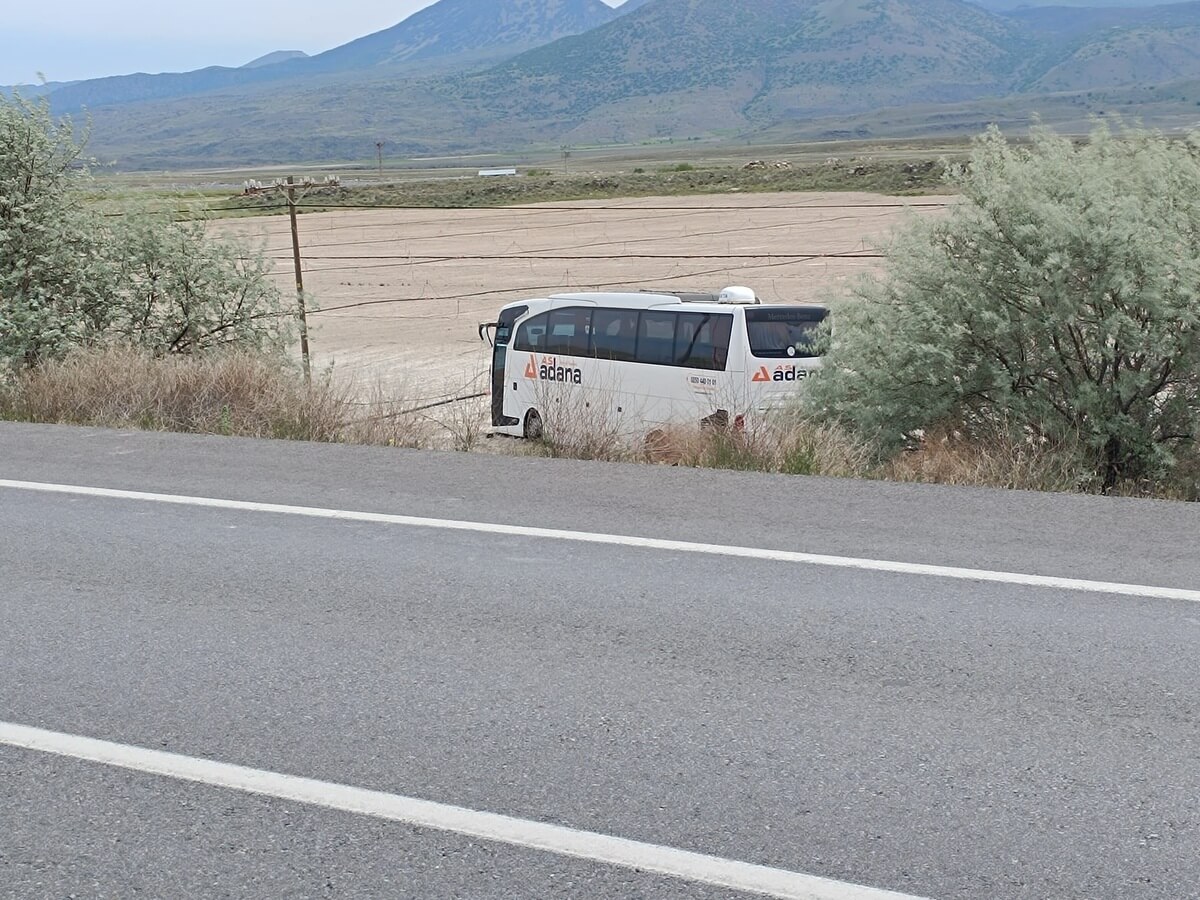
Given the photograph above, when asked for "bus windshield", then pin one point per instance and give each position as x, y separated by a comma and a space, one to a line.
784, 332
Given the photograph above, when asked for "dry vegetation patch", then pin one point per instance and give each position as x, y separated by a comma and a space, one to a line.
255, 396
226, 393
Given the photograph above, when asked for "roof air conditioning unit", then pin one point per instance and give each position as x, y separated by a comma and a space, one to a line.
737, 294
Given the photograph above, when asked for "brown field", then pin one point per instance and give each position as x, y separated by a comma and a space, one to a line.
400, 292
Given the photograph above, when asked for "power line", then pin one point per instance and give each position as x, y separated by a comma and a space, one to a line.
517, 256
408, 262
552, 287
534, 207
453, 234
772, 260
624, 241
191, 211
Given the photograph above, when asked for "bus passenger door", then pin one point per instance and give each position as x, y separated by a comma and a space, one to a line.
504, 330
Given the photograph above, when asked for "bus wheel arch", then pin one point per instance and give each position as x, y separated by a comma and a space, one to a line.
534, 429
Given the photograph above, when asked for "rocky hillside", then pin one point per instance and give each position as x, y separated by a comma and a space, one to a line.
1090, 49
681, 68
774, 58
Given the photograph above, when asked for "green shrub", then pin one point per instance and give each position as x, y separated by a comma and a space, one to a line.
71, 277
1059, 301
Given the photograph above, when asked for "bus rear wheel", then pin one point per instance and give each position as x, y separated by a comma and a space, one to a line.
534, 429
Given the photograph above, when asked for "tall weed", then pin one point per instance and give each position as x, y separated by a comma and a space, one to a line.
235, 393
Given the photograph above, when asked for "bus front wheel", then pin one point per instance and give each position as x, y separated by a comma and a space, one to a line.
533, 426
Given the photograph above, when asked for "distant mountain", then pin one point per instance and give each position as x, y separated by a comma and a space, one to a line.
1103, 48
1137, 56
450, 34
95, 93
29, 91
751, 65
1059, 21
675, 68
277, 57
454, 27
1010, 5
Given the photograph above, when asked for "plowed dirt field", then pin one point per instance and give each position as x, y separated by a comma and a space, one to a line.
400, 292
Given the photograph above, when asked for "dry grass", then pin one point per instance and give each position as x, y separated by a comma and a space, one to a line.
385, 419
580, 426
1000, 460
229, 394
992, 460
255, 396
459, 425
784, 442
1183, 484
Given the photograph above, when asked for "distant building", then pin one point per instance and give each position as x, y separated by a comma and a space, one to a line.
495, 173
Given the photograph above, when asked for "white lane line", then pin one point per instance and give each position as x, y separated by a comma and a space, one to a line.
601, 848
811, 559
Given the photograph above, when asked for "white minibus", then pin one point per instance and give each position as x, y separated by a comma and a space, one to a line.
633, 361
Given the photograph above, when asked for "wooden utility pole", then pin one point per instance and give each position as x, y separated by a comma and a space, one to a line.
291, 195
289, 188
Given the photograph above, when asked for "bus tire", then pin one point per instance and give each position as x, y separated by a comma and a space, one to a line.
534, 430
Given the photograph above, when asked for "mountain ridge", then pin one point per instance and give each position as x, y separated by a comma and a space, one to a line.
450, 34
664, 68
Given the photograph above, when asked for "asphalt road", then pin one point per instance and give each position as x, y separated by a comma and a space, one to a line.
944, 738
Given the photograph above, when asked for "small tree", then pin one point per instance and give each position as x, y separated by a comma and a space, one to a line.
70, 277
178, 288
1060, 299
53, 266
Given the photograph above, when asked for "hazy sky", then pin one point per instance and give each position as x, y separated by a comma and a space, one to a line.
71, 40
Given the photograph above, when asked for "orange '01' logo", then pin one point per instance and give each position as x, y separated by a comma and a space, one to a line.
782, 373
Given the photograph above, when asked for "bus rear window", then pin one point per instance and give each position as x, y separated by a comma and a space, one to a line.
784, 332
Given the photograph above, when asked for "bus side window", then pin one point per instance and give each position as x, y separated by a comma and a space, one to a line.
687, 338
702, 340
614, 334
568, 331
722, 328
656, 338
531, 336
